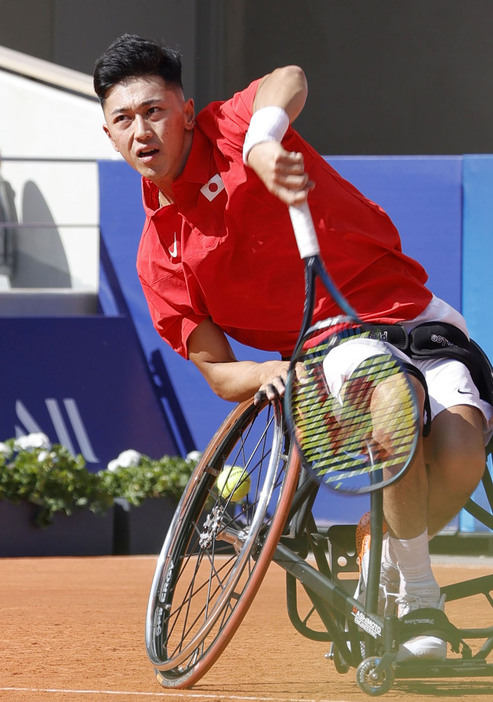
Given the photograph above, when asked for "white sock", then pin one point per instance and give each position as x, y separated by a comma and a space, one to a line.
388, 561
412, 557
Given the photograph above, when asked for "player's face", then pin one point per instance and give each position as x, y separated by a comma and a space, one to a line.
150, 124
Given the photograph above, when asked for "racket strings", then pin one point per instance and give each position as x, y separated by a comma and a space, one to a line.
367, 427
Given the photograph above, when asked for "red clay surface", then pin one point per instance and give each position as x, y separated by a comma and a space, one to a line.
72, 629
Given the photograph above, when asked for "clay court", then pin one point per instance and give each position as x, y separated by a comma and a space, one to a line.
72, 630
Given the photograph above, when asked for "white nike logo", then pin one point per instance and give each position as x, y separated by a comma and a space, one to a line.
173, 250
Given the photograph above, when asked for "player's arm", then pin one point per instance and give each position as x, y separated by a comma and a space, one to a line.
280, 97
284, 87
230, 379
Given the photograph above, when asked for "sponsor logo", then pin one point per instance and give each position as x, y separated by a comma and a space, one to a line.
158, 623
163, 593
173, 250
367, 624
67, 422
161, 613
440, 340
426, 620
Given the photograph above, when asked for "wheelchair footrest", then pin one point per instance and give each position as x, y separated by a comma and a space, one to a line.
444, 669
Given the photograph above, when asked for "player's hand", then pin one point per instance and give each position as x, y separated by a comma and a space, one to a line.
275, 384
273, 375
282, 172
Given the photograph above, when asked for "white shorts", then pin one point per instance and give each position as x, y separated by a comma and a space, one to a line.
449, 381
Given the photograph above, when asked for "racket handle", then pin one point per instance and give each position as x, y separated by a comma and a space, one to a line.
304, 230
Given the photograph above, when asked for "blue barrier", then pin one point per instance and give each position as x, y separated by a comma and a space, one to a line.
477, 226
423, 196
477, 279
84, 383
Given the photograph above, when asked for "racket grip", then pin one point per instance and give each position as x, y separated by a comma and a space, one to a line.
304, 230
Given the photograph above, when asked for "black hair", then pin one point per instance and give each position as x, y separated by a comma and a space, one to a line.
131, 56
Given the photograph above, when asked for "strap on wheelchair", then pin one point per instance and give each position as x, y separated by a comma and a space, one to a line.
412, 370
438, 340
429, 622
442, 340
393, 334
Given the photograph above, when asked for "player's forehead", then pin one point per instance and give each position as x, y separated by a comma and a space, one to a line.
137, 91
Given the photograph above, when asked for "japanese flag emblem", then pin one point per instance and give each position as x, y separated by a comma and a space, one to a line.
213, 187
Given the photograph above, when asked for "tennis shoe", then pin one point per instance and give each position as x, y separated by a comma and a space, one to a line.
388, 590
413, 596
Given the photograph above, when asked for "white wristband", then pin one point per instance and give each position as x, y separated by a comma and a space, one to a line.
267, 124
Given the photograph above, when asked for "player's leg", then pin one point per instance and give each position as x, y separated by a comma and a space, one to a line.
216, 551
405, 502
406, 515
456, 456
449, 462
373, 407
405, 509
453, 460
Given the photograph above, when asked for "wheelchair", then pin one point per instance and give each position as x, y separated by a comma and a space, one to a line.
217, 551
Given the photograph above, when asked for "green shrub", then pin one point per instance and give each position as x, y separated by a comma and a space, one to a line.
53, 480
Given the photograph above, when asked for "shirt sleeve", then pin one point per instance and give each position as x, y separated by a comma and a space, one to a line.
172, 318
240, 107
226, 123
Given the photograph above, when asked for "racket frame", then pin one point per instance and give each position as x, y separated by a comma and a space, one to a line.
314, 267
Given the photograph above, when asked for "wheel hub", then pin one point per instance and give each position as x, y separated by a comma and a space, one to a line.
212, 526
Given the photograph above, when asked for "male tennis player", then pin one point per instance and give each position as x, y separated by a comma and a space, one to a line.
218, 256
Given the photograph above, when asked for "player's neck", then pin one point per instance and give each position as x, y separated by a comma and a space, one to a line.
165, 199
165, 185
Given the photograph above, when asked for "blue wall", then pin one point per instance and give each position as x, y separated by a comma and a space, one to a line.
82, 381
443, 209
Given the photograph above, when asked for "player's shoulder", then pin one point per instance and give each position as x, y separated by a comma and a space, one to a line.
237, 108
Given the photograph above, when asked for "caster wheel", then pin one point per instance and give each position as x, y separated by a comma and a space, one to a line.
369, 681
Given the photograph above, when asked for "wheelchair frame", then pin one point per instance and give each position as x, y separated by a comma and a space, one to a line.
196, 602
360, 638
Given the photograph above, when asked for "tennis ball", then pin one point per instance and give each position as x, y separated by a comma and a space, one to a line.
233, 482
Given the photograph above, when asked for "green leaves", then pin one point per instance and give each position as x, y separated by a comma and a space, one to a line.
55, 481
166, 476
52, 479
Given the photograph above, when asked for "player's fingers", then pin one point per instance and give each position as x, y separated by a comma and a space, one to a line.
293, 181
292, 158
259, 397
301, 374
272, 390
285, 166
293, 197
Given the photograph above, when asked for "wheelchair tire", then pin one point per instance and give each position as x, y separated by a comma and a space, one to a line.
216, 551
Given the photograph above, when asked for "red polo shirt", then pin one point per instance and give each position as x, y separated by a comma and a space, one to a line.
225, 249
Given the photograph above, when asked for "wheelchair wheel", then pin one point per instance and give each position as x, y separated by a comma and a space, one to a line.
216, 552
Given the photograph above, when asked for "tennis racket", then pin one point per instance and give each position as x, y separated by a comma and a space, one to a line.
349, 403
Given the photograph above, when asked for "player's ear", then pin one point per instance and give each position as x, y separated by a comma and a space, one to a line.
189, 112
107, 132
